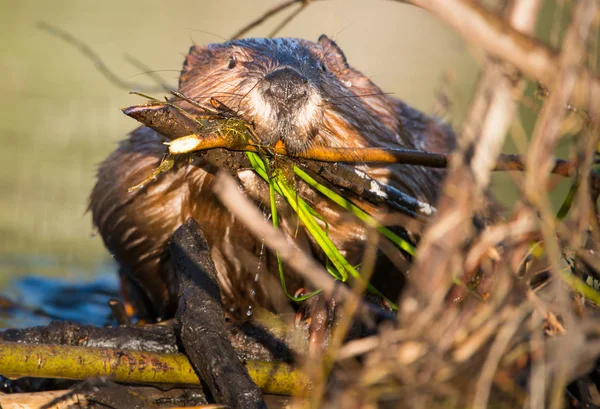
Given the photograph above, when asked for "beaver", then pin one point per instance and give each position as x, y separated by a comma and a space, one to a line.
301, 93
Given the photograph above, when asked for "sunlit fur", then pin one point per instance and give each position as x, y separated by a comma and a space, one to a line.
343, 108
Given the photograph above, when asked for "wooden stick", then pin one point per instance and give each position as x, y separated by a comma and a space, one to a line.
69, 362
268, 14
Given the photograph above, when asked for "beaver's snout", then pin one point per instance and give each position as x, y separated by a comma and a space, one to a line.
285, 86
286, 107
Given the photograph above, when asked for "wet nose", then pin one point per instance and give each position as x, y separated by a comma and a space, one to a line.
286, 85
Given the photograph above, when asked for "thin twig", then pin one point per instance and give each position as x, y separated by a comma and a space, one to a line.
149, 72
240, 206
289, 18
506, 162
268, 14
500, 88
96, 60
499, 347
243, 209
546, 136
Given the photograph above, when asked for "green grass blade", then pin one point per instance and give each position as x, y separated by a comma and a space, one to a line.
341, 267
357, 211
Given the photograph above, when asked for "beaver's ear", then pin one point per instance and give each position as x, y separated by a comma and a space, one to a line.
332, 51
196, 57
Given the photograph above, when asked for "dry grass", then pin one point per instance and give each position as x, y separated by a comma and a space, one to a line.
523, 325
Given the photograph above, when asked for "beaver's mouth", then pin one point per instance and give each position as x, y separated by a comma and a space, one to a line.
290, 111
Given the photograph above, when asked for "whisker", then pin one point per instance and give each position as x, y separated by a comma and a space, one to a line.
212, 76
375, 94
152, 72
207, 32
194, 102
247, 93
147, 71
222, 94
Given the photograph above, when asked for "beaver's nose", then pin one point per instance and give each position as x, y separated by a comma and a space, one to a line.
285, 85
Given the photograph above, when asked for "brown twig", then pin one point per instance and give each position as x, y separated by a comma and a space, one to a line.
500, 88
146, 70
546, 136
289, 18
506, 162
38, 400
97, 61
480, 144
240, 206
270, 13
499, 347
243, 209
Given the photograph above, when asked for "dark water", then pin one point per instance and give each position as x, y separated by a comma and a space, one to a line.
37, 300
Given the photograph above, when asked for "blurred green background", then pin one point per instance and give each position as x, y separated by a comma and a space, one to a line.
59, 117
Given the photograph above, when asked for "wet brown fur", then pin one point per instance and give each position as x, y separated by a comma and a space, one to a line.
350, 111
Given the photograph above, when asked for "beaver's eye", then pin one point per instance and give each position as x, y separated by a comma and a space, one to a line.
232, 63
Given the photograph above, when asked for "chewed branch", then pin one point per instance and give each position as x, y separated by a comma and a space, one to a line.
226, 132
